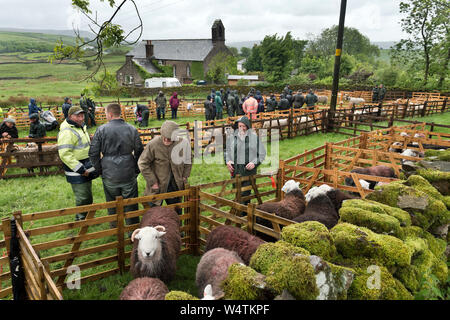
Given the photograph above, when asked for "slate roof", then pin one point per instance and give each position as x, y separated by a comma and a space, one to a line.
187, 50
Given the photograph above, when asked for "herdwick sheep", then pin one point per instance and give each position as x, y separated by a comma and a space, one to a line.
144, 289
379, 171
320, 207
274, 123
290, 207
234, 239
156, 245
322, 99
212, 270
28, 155
355, 101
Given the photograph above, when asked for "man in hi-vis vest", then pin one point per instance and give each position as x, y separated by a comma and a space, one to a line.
73, 150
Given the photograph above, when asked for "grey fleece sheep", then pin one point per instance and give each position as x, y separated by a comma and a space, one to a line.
213, 269
144, 289
379, 171
156, 245
234, 239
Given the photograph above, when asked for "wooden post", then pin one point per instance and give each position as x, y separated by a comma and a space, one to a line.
251, 217
425, 105
120, 234
444, 104
280, 180
6, 226
194, 211
405, 109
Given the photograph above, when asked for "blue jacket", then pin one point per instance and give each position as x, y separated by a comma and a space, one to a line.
32, 107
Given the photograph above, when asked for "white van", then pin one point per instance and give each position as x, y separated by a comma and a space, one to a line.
162, 82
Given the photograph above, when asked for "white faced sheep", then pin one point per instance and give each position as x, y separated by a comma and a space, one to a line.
290, 207
212, 270
156, 245
323, 204
379, 171
144, 289
274, 123
355, 101
234, 239
322, 99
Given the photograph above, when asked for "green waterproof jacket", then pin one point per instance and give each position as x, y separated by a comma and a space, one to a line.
218, 101
37, 130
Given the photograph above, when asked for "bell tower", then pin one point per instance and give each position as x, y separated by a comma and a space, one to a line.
218, 32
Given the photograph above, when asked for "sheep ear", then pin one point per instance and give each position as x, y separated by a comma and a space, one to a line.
160, 234
135, 235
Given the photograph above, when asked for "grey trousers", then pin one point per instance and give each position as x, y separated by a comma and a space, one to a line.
126, 190
83, 196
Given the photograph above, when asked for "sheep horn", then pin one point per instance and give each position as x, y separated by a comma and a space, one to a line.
160, 228
134, 234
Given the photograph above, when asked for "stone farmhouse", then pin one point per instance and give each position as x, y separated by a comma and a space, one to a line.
184, 59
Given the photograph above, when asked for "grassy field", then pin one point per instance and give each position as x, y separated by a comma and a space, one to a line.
46, 79
45, 193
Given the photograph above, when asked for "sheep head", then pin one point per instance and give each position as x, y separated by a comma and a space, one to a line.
149, 240
316, 191
291, 185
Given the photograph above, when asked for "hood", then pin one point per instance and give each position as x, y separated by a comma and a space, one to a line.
34, 116
161, 93
218, 93
175, 95
32, 101
244, 120
168, 128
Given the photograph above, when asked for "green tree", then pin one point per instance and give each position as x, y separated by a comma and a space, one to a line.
221, 65
254, 61
426, 23
354, 43
246, 52
298, 51
275, 56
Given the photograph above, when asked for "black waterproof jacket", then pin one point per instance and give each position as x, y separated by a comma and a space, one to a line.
121, 147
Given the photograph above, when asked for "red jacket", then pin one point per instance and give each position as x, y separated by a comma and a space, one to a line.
174, 101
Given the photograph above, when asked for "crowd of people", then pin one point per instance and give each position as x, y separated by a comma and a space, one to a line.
117, 155
254, 103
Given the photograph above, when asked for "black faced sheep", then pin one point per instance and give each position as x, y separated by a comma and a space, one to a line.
213, 269
291, 206
144, 289
234, 239
379, 171
323, 204
156, 245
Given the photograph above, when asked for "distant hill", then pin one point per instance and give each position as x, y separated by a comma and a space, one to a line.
384, 44
240, 44
68, 33
14, 41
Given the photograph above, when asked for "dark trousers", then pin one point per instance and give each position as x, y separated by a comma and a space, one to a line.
126, 190
144, 122
174, 113
83, 196
172, 187
160, 113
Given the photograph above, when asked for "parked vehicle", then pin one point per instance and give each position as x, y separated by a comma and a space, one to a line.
162, 82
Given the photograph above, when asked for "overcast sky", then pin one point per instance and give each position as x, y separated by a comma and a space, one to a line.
244, 20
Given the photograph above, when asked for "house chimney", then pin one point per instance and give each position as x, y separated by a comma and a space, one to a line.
149, 49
